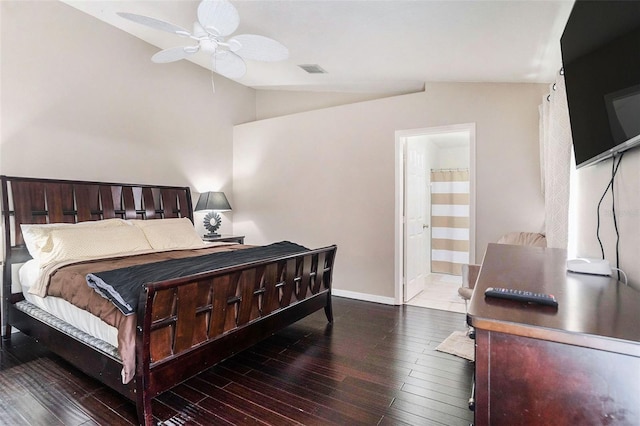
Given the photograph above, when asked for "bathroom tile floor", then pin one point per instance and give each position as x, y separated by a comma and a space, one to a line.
440, 292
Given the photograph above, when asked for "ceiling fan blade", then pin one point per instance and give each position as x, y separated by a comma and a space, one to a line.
218, 17
155, 23
174, 54
258, 48
229, 64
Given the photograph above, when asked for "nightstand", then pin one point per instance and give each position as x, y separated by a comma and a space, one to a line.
226, 238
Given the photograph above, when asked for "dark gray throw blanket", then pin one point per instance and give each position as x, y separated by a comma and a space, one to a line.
122, 286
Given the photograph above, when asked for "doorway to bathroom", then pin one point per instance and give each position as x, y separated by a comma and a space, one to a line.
435, 214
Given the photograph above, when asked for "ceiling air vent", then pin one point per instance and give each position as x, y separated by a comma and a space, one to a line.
313, 68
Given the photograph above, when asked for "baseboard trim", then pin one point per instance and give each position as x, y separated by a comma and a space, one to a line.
363, 296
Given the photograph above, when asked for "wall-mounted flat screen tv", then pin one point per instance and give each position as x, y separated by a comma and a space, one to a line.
601, 60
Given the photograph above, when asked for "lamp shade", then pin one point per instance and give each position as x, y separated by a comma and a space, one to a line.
212, 201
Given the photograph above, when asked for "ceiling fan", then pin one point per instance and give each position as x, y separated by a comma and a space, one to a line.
217, 19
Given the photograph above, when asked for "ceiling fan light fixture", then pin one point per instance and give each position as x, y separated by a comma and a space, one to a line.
208, 45
217, 19
313, 68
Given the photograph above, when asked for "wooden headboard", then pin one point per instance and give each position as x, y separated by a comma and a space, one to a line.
32, 200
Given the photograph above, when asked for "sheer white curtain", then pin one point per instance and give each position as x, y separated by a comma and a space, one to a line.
556, 163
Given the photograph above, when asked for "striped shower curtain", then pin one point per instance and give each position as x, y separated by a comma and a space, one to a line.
449, 220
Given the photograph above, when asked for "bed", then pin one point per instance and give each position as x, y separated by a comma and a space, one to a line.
193, 304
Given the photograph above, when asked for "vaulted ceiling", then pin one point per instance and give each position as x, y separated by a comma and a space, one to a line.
375, 46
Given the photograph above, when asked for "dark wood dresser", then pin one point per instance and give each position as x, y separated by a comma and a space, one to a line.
577, 364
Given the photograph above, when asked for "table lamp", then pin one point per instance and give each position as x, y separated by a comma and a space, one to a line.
216, 202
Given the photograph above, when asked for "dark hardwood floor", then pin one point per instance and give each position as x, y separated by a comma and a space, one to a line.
376, 365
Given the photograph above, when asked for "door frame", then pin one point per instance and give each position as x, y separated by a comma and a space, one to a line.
400, 141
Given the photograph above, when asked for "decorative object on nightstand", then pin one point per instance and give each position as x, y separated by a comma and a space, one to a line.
216, 202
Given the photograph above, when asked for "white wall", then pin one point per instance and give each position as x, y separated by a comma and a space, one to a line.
327, 176
453, 157
82, 100
276, 103
591, 183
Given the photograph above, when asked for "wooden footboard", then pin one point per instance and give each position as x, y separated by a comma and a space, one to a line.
187, 325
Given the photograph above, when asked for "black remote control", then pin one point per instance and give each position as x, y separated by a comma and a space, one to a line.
521, 295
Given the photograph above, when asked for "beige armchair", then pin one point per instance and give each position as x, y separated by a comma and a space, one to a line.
524, 239
470, 272
469, 277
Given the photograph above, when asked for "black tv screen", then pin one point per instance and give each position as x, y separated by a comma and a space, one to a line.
601, 60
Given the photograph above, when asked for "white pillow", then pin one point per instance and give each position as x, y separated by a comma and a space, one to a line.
37, 237
83, 243
170, 234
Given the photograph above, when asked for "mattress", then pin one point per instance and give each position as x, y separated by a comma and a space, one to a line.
63, 310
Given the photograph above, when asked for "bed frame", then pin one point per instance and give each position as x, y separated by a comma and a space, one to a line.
185, 325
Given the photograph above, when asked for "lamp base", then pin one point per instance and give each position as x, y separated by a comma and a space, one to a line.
211, 235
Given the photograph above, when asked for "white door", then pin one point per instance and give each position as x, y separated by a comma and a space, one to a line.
416, 228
